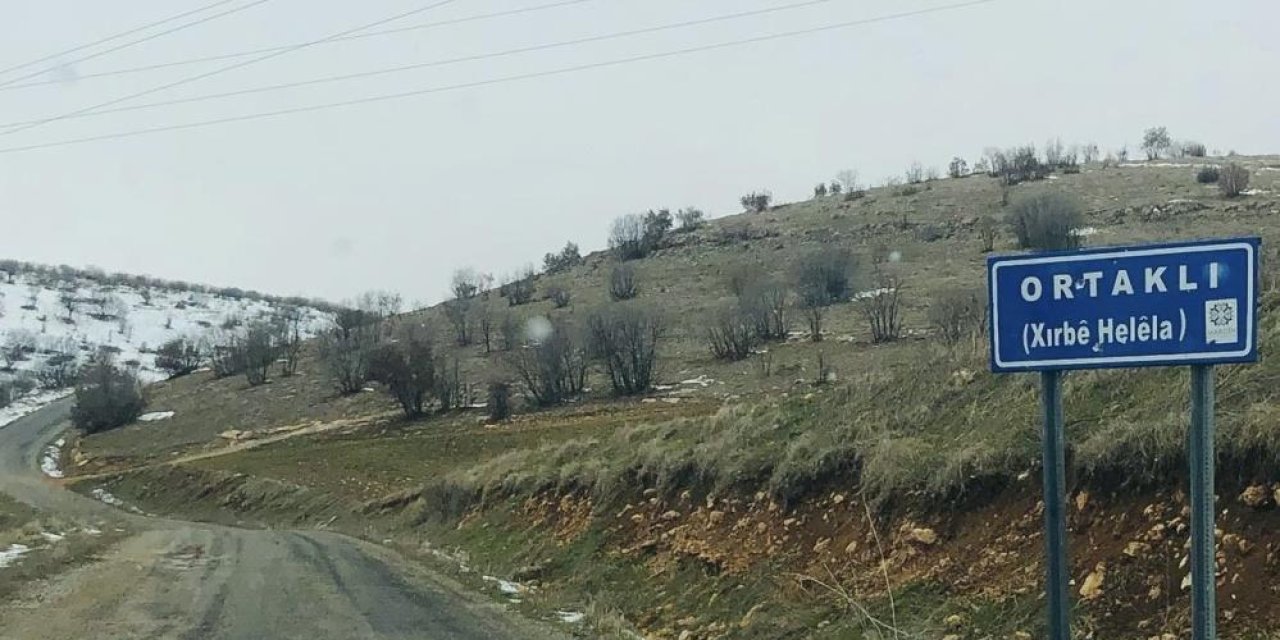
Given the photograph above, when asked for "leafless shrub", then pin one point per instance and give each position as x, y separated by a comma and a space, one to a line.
824, 275
820, 191
519, 289
1194, 149
1233, 180
958, 168
882, 309
1046, 222
914, 173
287, 334
18, 344
765, 304
179, 356
450, 388
106, 397
988, 231
756, 201
406, 366
509, 332
623, 283
259, 351
731, 334
552, 369
1089, 153
956, 314
690, 218
345, 352
624, 338
1208, 174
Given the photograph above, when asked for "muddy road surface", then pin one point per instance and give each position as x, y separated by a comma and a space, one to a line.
173, 579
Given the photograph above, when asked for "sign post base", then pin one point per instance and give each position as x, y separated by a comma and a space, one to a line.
1057, 572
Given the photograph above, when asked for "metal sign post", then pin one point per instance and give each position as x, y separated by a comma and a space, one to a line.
1057, 571
1191, 303
1204, 609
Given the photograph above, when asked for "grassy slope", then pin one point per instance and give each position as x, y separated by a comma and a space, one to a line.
907, 423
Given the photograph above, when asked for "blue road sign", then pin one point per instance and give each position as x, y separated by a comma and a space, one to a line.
1150, 305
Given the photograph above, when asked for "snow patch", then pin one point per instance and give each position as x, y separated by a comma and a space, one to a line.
11, 555
1254, 192
30, 404
1084, 232
570, 617
49, 462
155, 415
92, 531
702, 381
872, 293
506, 587
51, 537
105, 496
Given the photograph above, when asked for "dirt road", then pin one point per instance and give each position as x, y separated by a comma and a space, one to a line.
173, 579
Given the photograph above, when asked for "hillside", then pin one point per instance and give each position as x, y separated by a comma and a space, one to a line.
49, 313
763, 498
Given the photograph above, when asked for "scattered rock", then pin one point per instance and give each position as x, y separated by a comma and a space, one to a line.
637, 517
1186, 582
821, 545
1021, 635
1136, 549
954, 621
1254, 496
851, 548
715, 517
746, 619
1082, 500
1092, 587
671, 515
839, 498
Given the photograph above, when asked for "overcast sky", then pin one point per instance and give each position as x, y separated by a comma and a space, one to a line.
397, 194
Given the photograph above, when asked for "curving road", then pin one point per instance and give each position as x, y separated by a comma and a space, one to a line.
173, 579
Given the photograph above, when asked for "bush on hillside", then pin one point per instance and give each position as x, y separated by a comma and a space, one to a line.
345, 352
623, 283
825, 274
560, 297
460, 312
259, 351
1194, 149
568, 258
820, 191
519, 289
731, 334
756, 201
690, 218
764, 302
1233, 180
988, 231
1207, 175
955, 314
58, 371
18, 345
468, 283
882, 308
624, 339
499, 400
106, 396
509, 333
1046, 222
179, 356
451, 389
406, 367
958, 168
552, 368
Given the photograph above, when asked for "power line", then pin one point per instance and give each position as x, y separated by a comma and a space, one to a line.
499, 80
448, 61
126, 45
227, 68
358, 36
112, 37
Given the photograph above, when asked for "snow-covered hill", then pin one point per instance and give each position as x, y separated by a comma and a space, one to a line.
44, 315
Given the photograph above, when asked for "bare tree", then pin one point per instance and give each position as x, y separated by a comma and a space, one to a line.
764, 303
287, 334
380, 304
450, 389
345, 351
822, 278
1046, 221
70, 303
1053, 152
468, 283
483, 321
848, 179
623, 283
881, 307
624, 338
459, 313
406, 366
258, 352
627, 237
18, 343
509, 331
1089, 153
1156, 141
226, 353
958, 168
820, 191
499, 400
1233, 180
553, 368
106, 397
914, 173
